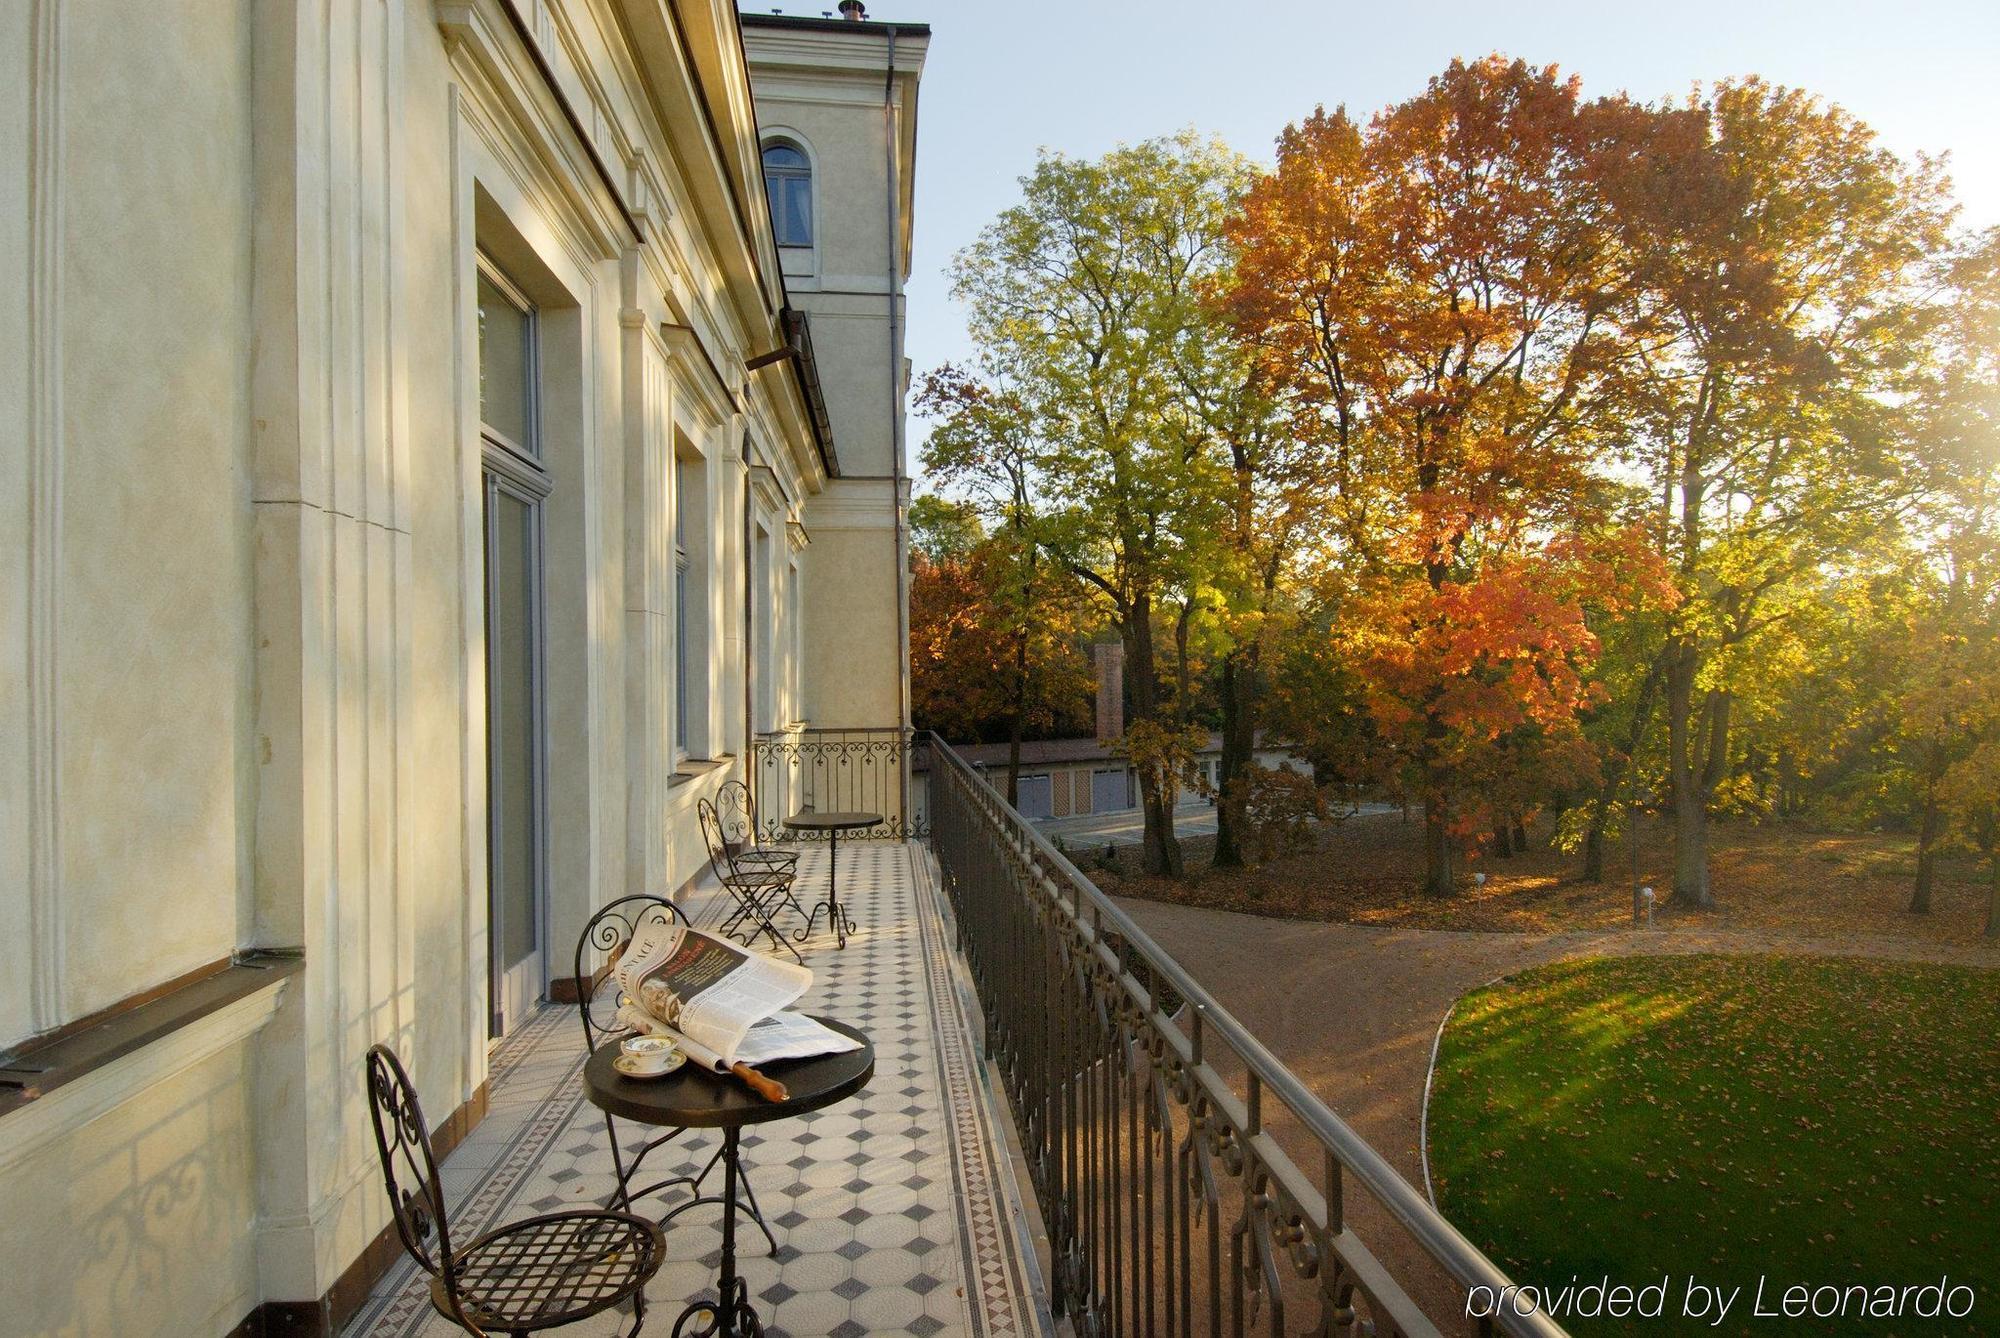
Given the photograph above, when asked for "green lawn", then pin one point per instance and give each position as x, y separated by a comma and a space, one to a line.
1809, 1120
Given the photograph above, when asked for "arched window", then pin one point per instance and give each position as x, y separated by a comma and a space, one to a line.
788, 182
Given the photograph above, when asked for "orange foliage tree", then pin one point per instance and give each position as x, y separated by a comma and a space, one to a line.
975, 659
1435, 291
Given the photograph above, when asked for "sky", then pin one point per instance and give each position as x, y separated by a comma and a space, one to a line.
1005, 78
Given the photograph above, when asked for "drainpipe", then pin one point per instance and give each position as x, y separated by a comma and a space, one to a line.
749, 625
892, 203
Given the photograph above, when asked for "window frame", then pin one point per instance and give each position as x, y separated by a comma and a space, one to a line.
518, 469
683, 663
529, 451
803, 171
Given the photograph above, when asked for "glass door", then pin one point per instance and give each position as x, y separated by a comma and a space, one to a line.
516, 488
516, 808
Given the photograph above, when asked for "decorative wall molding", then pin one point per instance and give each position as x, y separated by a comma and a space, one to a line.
335, 599
699, 374
66, 1109
45, 482
853, 504
520, 110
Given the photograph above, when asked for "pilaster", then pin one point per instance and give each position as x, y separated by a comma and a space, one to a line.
332, 563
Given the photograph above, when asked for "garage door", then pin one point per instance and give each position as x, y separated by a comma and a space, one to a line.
1037, 797
1109, 792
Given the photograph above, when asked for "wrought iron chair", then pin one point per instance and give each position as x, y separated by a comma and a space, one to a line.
533, 1274
758, 890
736, 807
606, 934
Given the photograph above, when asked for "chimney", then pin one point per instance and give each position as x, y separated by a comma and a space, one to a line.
853, 10
1109, 659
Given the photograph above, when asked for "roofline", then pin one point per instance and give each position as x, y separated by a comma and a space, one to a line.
753, 19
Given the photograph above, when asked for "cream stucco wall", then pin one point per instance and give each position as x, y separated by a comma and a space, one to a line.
126, 701
852, 599
140, 1221
155, 573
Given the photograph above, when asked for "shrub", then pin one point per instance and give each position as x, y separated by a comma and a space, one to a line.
1282, 807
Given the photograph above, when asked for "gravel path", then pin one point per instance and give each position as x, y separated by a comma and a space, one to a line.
1352, 1010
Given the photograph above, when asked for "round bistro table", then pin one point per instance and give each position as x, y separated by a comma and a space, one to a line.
833, 824
695, 1098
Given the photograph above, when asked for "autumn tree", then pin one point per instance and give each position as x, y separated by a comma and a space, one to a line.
1079, 298
941, 529
975, 660
981, 446
1771, 244
1436, 291
1273, 509
1953, 699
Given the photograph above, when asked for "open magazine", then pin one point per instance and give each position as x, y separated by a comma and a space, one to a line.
722, 1002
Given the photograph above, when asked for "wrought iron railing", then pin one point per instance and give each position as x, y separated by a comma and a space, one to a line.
1159, 1133
840, 770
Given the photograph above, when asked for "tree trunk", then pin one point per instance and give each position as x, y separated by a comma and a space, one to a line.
1160, 848
1520, 837
1440, 878
1927, 831
1689, 774
1691, 887
1017, 719
1502, 846
1593, 847
1239, 669
1614, 776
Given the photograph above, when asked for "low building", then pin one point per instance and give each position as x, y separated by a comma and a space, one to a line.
1063, 778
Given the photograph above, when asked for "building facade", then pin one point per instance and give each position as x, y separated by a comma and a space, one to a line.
837, 110
420, 488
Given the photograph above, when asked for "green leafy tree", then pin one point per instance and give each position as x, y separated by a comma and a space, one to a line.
981, 445
1773, 247
942, 529
1081, 300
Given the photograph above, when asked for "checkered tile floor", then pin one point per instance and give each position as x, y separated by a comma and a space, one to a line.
895, 1211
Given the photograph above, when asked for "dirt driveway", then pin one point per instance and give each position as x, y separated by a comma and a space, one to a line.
1352, 1009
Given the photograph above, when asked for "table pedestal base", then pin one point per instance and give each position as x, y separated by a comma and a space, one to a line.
836, 918
626, 1198
713, 1318
841, 924
730, 1314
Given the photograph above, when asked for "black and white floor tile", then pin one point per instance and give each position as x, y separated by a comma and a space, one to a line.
895, 1212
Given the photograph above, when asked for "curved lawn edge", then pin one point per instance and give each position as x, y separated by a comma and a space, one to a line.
1430, 1076
1827, 1106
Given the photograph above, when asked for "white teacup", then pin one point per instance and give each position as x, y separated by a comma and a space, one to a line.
647, 1054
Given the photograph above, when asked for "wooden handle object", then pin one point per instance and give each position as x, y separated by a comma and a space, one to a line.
768, 1088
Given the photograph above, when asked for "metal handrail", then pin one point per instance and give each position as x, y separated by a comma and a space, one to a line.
1303, 1219
864, 768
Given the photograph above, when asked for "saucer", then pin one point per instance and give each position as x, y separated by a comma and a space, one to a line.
623, 1064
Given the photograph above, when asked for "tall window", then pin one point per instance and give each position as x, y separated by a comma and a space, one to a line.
768, 662
796, 644
516, 488
683, 666
788, 183
506, 363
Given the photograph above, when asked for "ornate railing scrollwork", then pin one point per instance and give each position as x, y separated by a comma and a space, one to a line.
1172, 1206
840, 771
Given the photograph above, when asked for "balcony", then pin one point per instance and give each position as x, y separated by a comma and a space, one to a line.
896, 1211
1064, 1129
